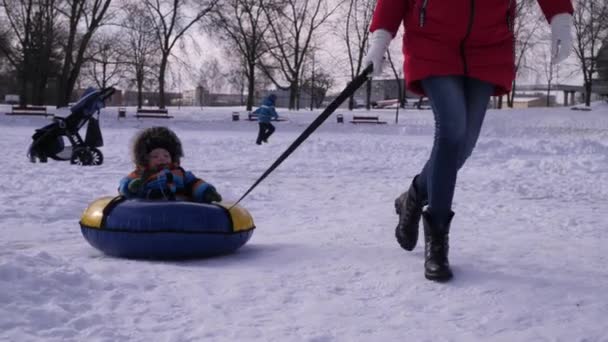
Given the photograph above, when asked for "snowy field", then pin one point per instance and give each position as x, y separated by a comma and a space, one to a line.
528, 242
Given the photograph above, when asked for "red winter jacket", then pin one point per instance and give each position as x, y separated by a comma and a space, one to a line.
457, 37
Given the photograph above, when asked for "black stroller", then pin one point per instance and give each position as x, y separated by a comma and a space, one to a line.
49, 140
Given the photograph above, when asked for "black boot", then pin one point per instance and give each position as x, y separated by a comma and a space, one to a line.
436, 247
409, 208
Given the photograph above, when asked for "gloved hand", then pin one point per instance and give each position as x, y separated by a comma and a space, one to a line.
161, 181
209, 194
561, 37
135, 185
378, 45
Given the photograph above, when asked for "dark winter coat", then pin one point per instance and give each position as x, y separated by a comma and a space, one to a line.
457, 37
266, 112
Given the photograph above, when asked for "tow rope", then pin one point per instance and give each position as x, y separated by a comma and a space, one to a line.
346, 93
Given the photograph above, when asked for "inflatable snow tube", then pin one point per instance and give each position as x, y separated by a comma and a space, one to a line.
141, 229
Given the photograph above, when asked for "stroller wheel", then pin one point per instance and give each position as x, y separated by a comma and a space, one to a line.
97, 156
86, 156
32, 155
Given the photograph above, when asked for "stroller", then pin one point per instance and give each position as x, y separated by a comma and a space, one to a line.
49, 140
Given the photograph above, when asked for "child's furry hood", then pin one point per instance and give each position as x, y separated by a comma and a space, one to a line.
155, 137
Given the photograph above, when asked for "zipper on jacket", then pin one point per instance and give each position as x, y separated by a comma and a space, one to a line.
422, 14
466, 36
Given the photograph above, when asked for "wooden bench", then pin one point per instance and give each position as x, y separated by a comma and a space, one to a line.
585, 109
29, 110
161, 113
366, 119
387, 103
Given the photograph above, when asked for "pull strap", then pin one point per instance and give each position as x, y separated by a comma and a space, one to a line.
346, 93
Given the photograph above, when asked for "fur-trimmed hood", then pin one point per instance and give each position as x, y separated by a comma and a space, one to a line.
155, 137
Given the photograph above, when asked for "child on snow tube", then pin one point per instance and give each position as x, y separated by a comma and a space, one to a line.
156, 153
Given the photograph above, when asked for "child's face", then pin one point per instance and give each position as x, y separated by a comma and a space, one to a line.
159, 156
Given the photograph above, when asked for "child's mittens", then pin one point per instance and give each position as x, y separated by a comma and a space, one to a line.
135, 185
212, 195
206, 193
161, 181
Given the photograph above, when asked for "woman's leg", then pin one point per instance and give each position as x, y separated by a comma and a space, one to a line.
448, 100
477, 96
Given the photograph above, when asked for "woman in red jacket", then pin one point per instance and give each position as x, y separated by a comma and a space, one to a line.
458, 53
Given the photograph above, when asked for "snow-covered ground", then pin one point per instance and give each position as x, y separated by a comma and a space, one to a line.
528, 242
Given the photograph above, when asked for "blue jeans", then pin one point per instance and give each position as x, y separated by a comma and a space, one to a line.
459, 105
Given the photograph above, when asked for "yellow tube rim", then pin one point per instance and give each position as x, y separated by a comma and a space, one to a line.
93, 215
241, 219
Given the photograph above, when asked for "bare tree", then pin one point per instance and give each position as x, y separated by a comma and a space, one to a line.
549, 71
84, 17
140, 49
292, 28
211, 76
32, 51
354, 32
243, 26
315, 80
172, 19
525, 27
591, 29
105, 64
237, 79
400, 86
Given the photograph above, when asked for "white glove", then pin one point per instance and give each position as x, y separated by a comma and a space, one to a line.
378, 44
561, 37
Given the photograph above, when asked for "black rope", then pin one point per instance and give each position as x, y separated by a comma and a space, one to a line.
346, 93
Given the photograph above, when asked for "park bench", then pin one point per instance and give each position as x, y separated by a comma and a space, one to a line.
357, 119
161, 113
29, 110
387, 103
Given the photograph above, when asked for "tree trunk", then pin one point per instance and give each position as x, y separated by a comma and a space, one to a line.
402, 100
368, 94
588, 93
22, 87
293, 95
250, 87
139, 79
511, 95
161, 82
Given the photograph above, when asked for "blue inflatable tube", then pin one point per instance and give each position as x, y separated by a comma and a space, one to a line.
143, 229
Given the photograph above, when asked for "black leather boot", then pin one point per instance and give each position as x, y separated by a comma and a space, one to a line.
409, 208
436, 247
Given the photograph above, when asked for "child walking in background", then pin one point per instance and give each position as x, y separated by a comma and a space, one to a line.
156, 152
266, 112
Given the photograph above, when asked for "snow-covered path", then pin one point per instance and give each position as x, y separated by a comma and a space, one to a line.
527, 242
